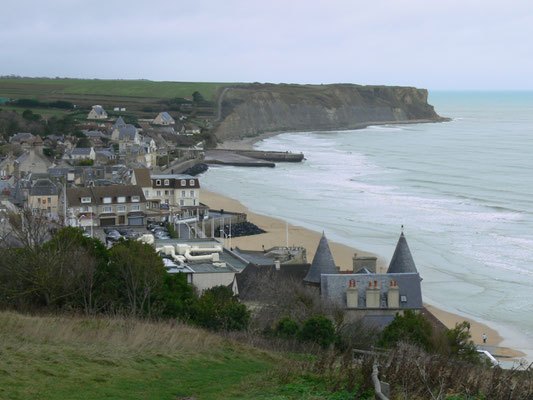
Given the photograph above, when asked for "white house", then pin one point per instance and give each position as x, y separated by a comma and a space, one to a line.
97, 112
164, 118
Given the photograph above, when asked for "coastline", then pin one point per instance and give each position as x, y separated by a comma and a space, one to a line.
276, 234
246, 143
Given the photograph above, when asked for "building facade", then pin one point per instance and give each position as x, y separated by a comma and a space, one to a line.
106, 206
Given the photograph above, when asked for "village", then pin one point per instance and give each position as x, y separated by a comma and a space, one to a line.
109, 183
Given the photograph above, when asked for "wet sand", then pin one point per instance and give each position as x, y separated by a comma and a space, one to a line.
276, 236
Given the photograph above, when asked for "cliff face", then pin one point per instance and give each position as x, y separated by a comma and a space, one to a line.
250, 110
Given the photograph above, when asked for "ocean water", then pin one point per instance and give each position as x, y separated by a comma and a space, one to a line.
462, 189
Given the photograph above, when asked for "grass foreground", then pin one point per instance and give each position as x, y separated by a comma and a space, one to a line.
63, 357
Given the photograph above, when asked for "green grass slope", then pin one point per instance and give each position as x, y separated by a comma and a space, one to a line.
89, 358
44, 88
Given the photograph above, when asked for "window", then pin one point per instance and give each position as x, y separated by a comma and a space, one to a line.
107, 209
49, 200
194, 202
167, 182
38, 200
85, 199
191, 182
403, 299
136, 208
166, 192
158, 193
147, 193
182, 202
183, 182
84, 209
121, 199
107, 200
121, 208
183, 193
158, 182
192, 193
135, 199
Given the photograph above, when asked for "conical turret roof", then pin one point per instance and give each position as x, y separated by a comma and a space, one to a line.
120, 123
402, 260
323, 262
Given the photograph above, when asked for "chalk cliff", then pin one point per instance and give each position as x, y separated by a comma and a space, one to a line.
253, 109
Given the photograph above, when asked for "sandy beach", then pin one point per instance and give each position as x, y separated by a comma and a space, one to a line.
276, 236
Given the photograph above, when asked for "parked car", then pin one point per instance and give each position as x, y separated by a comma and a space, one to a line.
132, 235
125, 231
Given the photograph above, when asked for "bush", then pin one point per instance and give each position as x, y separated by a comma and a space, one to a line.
218, 309
85, 163
318, 330
409, 327
286, 328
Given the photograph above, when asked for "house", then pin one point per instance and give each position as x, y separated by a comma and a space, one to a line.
7, 166
106, 205
126, 136
30, 161
97, 112
206, 261
164, 118
178, 193
191, 129
44, 198
376, 297
82, 153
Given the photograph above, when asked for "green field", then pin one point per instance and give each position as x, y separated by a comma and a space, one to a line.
45, 88
88, 358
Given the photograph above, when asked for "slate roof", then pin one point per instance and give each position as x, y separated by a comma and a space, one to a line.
165, 116
247, 278
99, 110
97, 194
127, 133
402, 260
43, 187
81, 151
94, 134
120, 123
5, 187
334, 287
142, 177
323, 262
21, 136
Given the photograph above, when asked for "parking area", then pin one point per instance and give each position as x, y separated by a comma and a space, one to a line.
110, 234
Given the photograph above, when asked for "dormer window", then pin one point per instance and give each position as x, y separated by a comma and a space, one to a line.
158, 182
183, 182
191, 182
121, 199
107, 200
135, 199
167, 182
85, 199
403, 299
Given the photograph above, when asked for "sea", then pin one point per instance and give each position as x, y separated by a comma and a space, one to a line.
462, 190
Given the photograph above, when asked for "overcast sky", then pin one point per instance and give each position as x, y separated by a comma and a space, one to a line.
436, 44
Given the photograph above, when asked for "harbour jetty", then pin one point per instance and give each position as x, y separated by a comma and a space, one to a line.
250, 158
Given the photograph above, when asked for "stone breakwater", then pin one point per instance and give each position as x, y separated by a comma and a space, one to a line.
250, 110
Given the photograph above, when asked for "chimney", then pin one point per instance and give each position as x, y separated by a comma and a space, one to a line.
352, 295
360, 262
277, 263
393, 295
373, 295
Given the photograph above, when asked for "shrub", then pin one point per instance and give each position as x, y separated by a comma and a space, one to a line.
286, 328
218, 309
409, 327
318, 330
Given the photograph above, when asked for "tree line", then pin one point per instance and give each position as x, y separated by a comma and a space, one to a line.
62, 270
